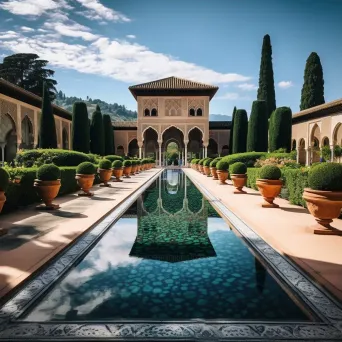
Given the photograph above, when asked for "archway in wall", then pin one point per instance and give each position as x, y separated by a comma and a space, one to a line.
301, 152
65, 138
325, 141
315, 145
225, 150
133, 148
151, 143
120, 151
8, 137
195, 145
173, 152
338, 134
27, 139
294, 145
176, 136
212, 148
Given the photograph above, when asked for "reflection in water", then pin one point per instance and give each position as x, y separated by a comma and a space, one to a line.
161, 262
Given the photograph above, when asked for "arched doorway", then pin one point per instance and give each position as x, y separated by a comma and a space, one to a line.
195, 144
225, 150
301, 152
27, 138
65, 139
176, 137
120, 151
133, 148
294, 145
150, 137
8, 138
212, 148
315, 145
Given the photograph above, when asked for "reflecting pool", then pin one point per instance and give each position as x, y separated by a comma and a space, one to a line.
170, 257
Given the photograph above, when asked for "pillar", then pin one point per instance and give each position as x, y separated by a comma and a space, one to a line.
298, 152
35, 119
2, 146
186, 153
19, 137
308, 156
160, 155
332, 153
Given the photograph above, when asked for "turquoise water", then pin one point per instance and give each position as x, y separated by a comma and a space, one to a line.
169, 257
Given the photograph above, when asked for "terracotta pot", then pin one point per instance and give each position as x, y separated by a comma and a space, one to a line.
324, 206
269, 189
85, 182
2, 199
133, 170
105, 176
201, 170
127, 171
206, 170
239, 181
222, 176
138, 169
214, 173
117, 173
47, 191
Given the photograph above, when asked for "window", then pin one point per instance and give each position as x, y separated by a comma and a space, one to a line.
199, 112
154, 112
192, 112
147, 112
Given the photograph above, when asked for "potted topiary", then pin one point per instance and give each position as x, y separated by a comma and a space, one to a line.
4, 182
105, 171
206, 167
269, 184
127, 164
85, 175
213, 170
134, 167
193, 163
324, 196
197, 164
47, 185
200, 165
138, 161
117, 170
222, 171
238, 176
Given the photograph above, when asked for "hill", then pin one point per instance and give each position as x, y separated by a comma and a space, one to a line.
117, 112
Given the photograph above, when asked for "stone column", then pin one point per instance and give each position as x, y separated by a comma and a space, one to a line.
160, 154
35, 128
298, 152
308, 156
332, 153
140, 144
2, 146
19, 137
186, 153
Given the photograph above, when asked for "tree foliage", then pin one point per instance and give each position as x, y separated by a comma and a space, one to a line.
27, 71
97, 142
257, 138
280, 129
108, 135
240, 131
80, 128
230, 146
266, 90
313, 87
47, 128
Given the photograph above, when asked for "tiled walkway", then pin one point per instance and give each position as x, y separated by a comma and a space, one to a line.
286, 230
35, 237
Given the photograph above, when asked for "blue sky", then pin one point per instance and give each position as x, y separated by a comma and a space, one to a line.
100, 47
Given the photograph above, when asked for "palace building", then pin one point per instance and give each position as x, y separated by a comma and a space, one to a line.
169, 110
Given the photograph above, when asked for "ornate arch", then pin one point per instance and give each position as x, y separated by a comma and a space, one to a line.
145, 129
312, 133
335, 133
170, 126
193, 127
323, 141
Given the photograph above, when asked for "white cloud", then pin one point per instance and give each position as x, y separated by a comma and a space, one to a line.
27, 29
247, 86
97, 11
131, 36
8, 35
285, 84
232, 96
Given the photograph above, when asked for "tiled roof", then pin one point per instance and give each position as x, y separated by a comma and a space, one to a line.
124, 124
318, 108
173, 83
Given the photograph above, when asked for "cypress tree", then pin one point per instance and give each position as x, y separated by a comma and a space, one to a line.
230, 146
281, 129
97, 143
257, 138
240, 131
313, 87
266, 90
47, 128
108, 135
80, 128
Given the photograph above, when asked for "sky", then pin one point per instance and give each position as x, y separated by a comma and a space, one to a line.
98, 48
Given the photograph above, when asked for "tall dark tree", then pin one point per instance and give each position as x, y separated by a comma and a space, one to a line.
26, 70
280, 129
257, 138
266, 90
97, 142
230, 146
240, 131
108, 135
80, 128
313, 87
47, 128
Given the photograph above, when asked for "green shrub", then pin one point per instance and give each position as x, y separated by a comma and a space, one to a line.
252, 176
316, 164
97, 143
222, 165
134, 163
295, 182
201, 161
4, 179
193, 161
326, 153
337, 151
281, 131
207, 162
196, 161
327, 176
86, 168
271, 172
138, 161
127, 163
114, 157
248, 158
48, 172
214, 162
105, 164
283, 155
117, 164
240, 131
238, 168
80, 128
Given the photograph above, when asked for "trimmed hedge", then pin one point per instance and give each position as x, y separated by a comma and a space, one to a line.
238, 168
252, 176
4, 179
222, 165
86, 168
105, 164
270, 172
207, 162
58, 157
117, 164
248, 158
326, 177
240, 131
48, 172
127, 163
214, 162
281, 129
295, 182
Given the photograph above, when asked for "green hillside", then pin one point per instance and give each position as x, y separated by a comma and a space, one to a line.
117, 112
